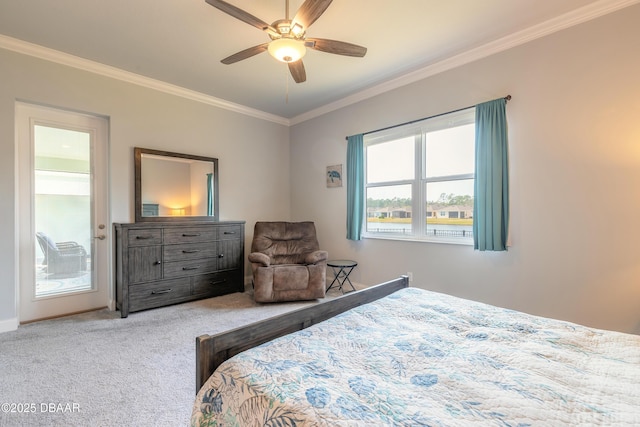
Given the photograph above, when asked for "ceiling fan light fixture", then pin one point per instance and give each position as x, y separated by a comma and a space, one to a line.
287, 49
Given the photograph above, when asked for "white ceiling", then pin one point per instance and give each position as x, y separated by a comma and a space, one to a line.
181, 42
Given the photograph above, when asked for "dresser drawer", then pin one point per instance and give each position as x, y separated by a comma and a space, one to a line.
226, 232
149, 236
190, 267
190, 234
214, 284
189, 251
157, 294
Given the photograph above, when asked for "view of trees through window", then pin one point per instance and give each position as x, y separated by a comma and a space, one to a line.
449, 215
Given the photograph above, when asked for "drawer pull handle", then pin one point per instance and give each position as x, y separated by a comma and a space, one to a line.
221, 256
213, 282
191, 268
164, 291
158, 262
190, 234
190, 251
143, 237
229, 232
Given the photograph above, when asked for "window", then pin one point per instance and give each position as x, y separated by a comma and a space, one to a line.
420, 180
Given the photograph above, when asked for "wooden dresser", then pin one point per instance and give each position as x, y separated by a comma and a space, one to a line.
162, 263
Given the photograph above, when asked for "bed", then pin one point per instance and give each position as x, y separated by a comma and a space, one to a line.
394, 355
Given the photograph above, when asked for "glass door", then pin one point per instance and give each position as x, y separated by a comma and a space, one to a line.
62, 158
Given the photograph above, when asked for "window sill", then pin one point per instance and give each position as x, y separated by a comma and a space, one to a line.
401, 238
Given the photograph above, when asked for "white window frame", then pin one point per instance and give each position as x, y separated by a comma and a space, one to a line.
419, 182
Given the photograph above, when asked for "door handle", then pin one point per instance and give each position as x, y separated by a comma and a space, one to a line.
101, 236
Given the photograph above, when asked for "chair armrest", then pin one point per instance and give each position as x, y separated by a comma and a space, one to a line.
260, 258
316, 257
67, 244
70, 249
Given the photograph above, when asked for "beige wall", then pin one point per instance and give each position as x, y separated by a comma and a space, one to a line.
253, 153
574, 130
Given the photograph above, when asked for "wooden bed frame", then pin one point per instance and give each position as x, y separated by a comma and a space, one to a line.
212, 350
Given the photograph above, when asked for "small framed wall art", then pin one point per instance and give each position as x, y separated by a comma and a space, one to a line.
334, 176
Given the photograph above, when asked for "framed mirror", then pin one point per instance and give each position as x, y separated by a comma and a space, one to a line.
175, 186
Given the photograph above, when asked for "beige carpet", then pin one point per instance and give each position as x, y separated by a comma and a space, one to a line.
96, 369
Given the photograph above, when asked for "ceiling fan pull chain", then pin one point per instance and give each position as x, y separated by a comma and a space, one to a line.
286, 79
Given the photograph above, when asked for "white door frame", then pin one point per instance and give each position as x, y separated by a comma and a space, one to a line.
102, 296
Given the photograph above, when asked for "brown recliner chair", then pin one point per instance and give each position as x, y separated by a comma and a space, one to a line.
286, 262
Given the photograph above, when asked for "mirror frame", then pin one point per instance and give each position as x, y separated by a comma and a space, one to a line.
137, 153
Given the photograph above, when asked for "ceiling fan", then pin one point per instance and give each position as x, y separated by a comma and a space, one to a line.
288, 36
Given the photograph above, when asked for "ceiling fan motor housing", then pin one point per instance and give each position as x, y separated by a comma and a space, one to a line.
286, 28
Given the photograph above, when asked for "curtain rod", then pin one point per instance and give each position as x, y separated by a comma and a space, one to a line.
506, 98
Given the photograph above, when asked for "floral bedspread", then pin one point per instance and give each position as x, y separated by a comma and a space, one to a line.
419, 358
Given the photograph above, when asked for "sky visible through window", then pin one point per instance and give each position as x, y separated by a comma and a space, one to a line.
447, 153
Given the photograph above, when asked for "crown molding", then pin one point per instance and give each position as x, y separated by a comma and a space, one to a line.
578, 16
575, 17
56, 56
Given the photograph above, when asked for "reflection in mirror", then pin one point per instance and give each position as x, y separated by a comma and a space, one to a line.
172, 186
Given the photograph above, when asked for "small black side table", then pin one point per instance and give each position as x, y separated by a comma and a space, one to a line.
342, 268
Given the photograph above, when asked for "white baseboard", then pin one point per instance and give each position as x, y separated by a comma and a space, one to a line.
8, 325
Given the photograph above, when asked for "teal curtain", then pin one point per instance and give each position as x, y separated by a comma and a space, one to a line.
209, 194
491, 205
355, 186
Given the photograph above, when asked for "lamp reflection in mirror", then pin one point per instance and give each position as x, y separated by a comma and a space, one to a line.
175, 186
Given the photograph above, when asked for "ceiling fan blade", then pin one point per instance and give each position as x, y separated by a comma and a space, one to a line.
240, 14
336, 47
244, 54
297, 71
310, 11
